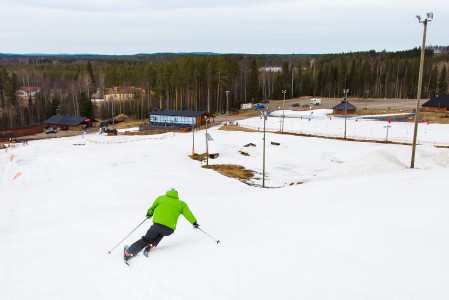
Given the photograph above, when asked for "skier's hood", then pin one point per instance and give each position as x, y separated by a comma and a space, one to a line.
172, 194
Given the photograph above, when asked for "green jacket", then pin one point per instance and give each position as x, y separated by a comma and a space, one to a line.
166, 210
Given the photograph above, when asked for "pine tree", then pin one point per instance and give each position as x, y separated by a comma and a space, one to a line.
253, 93
85, 105
442, 82
92, 85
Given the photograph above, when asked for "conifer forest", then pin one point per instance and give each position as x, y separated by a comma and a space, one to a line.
71, 84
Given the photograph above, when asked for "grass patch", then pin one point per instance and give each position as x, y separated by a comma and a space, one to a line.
236, 128
199, 157
232, 171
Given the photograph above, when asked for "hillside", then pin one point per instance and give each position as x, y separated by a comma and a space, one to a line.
361, 225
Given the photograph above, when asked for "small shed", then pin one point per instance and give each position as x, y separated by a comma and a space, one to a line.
178, 118
70, 122
437, 104
344, 106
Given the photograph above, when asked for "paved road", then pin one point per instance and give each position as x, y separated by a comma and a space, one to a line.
407, 105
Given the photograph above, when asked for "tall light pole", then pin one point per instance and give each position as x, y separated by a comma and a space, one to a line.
264, 115
283, 110
346, 91
113, 114
227, 106
207, 145
193, 136
418, 97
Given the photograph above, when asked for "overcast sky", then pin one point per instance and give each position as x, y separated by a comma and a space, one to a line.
232, 26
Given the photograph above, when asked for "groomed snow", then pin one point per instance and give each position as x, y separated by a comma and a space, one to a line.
320, 122
341, 220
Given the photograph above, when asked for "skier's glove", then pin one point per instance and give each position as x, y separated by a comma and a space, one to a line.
196, 225
149, 216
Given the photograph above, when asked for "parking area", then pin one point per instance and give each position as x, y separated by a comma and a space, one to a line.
301, 104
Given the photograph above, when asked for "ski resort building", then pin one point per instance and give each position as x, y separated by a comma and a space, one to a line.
178, 118
70, 122
27, 91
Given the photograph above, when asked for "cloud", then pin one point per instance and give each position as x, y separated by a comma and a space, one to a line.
265, 26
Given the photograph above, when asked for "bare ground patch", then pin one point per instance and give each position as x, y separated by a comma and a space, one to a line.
233, 171
236, 128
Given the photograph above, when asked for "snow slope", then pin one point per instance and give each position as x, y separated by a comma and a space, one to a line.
342, 220
319, 122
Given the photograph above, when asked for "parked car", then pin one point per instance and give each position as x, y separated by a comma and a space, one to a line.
109, 131
266, 101
296, 105
50, 130
259, 107
315, 101
306, 105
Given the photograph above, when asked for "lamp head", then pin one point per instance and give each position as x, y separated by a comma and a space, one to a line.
418, 17
430, 16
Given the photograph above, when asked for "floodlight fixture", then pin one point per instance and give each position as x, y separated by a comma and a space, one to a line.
429, 16
419, 18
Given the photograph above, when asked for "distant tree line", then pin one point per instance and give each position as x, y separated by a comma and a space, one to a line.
199, 81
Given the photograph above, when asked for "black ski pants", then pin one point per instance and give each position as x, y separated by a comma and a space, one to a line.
153, 236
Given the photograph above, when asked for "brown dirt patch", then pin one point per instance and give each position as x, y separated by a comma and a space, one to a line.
199, 157
233, 171
236, 128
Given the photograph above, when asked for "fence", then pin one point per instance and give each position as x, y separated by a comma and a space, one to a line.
326, 130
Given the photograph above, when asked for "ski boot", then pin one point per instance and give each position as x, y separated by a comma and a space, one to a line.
147, 249
126, 255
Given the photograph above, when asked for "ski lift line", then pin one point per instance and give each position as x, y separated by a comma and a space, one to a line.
353, 137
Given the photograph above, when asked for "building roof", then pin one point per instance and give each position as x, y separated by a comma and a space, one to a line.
177, 113
344, 105
7, 135
29, 89
67, 120
438, 101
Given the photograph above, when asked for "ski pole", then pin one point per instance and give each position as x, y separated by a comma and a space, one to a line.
217, 241
127, 235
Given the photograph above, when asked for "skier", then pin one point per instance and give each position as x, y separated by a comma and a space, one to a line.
165, 211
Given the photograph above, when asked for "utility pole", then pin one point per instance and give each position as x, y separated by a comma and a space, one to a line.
264, 115
193, 137
346, 91
207, 145
283, 110
418, 97
113, 114
227, 106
